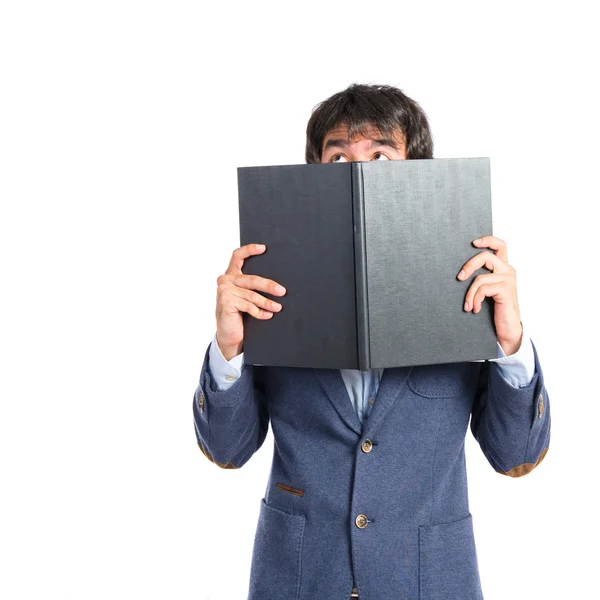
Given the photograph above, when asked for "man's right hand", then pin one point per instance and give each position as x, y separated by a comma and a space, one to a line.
235, 295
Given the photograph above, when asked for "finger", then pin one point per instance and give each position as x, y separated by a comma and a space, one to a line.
256, 299
248, 307
256, 282
240, 254
496, 244
487, 279
493, 290
484, 259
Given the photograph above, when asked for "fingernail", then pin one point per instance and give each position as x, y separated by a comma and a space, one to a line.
280, 289
462, 274
260, 246
477, 241
467, 305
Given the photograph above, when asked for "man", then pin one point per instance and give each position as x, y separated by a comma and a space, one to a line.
367, 495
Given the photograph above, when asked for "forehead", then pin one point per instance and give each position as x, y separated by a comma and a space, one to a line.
369, 133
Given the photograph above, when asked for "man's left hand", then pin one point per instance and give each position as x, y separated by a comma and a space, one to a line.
501, 285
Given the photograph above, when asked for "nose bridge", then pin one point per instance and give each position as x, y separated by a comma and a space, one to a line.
358, 149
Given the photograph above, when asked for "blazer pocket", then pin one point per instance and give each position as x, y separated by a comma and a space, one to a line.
448, 568
440, 381
277, 555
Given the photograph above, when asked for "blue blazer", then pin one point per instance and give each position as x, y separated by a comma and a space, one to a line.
383, 507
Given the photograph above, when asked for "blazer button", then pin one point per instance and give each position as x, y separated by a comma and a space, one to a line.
361, 521
367, 446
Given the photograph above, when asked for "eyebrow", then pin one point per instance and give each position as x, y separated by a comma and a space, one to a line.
342, 143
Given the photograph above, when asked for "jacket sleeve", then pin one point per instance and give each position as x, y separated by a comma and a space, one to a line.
231, 425
510, 423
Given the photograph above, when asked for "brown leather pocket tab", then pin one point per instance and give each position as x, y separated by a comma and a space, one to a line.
289, 489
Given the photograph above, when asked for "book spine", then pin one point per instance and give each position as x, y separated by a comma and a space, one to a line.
360, 268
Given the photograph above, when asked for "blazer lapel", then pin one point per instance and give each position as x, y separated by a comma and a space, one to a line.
332, 382
392, 382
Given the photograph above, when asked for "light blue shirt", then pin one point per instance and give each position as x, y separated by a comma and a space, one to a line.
518, 369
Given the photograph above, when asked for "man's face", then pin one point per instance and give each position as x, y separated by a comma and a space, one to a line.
372, 146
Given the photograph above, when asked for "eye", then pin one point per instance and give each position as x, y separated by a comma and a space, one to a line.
335, 157
384, 157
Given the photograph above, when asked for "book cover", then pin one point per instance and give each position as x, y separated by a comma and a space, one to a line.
368, 253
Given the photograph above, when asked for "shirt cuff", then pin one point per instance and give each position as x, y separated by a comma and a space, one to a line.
224, 372
518, 368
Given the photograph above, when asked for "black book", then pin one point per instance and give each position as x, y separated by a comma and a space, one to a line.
369, 254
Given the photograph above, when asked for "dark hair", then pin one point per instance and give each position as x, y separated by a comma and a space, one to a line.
361, 106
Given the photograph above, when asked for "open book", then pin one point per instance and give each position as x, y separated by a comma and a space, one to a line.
369, 254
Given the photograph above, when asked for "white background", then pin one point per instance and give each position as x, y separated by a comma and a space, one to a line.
121, 127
